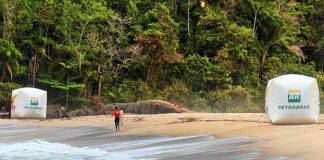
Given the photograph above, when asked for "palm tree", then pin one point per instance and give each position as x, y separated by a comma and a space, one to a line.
9, 57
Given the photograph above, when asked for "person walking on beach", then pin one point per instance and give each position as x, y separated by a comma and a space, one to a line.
121, 116
116, 114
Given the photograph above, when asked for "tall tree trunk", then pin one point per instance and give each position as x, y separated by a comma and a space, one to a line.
4, 28
261, 68
188, 18
280, 7
34, 75
67, 101
149, 71
67, 95
3, 73
9, 10
79, 43
165, 73
48, 50
34, 69
255, 19
99, 82
175, 6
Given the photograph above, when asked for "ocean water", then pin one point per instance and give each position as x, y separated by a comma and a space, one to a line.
102, 143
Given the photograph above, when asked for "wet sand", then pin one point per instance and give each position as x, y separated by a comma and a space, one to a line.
28, 142
295, 141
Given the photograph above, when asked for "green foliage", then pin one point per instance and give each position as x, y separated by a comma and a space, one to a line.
158, 32
320, 82
177, 93
130, 91
63, 86
9, 58
5, 93
198, 102
234, 99
216, 58
201, 74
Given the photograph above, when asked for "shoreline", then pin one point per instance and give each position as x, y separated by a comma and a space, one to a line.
91, 142
294, 141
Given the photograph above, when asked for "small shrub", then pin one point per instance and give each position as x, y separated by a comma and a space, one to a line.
177, 92
320, 81
129, 91
5, 93
235, 99
198, 102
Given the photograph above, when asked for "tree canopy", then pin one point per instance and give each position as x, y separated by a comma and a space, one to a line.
206, 55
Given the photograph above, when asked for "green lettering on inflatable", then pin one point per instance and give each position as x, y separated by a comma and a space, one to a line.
34, 101
293, 98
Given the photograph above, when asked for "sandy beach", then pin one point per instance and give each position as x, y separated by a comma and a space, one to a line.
294, 141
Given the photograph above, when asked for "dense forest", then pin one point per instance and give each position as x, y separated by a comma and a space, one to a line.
207, 55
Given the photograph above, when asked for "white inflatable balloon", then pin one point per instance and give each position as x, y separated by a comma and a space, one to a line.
292, 99
28, 103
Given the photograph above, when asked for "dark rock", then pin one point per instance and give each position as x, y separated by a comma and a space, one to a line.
53, 111
76, 113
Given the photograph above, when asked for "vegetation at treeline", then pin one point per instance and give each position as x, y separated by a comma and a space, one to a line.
206, 55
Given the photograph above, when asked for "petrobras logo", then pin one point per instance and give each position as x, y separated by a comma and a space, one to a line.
34, 101
33, 104
294, 96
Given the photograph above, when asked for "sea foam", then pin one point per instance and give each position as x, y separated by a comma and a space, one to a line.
40, 149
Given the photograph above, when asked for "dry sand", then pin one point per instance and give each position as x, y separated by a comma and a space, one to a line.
295, 141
